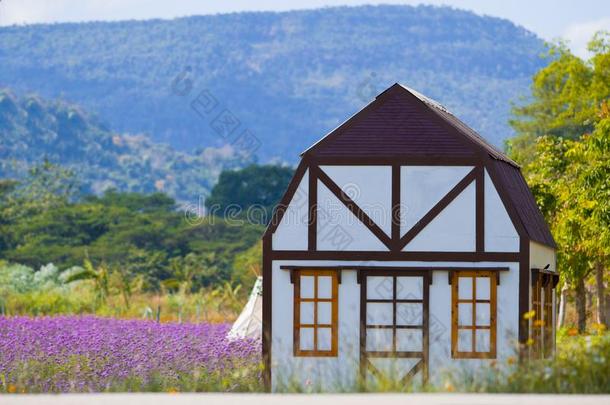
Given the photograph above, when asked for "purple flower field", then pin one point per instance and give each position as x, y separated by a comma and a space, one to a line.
92, 354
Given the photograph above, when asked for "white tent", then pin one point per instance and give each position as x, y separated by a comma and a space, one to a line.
249, 324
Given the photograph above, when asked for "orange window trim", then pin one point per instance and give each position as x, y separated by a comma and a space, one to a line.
334, 314
455, 353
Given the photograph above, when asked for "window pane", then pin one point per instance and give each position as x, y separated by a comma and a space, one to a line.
324, 313
379, 313
483, 284
464, 340
306, 339
465, 314
482, 343
483, 316
379, 288
379, 340
409, 314
465, 288
325, 284
307, 286
307, 313
411, 288
324, 339
409, 340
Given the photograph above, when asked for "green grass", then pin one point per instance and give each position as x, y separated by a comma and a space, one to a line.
581, 365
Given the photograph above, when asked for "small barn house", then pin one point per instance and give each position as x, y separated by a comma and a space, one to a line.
404, 245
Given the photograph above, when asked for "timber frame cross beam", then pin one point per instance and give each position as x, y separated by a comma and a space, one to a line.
394, 242
474, 174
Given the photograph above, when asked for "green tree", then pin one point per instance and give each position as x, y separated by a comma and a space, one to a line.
592, 157
570, 179
248, 265
98, 276
565, 97
251, 192
562, 142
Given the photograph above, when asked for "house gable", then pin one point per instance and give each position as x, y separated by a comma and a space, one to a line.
401, 130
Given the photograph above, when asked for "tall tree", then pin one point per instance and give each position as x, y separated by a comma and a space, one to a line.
592, 157
566, 167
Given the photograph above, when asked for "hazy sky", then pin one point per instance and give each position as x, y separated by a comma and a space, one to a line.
574, 20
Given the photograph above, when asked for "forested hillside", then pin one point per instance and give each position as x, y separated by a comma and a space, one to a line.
33, 129
287, 77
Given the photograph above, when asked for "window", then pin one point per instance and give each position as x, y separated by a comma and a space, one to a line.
542, 323
315, 313
473, 314
395, 313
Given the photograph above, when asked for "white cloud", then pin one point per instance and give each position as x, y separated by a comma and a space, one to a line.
579, 34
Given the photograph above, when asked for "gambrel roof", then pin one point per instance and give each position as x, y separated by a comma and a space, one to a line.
402, 122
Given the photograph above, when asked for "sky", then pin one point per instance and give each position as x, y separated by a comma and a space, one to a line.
574, 20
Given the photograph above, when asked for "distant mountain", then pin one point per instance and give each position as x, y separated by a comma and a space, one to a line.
32, 129
287, 78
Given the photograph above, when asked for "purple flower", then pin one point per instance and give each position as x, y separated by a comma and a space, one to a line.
87, 353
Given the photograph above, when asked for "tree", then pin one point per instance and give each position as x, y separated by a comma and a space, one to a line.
99, 277
563, 142
565, 97
249, 193
593, 158
248, 265
551, 177
570, 179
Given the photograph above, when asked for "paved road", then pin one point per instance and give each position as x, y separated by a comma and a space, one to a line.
329, 399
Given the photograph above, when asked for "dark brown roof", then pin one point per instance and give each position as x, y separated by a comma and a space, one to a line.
403, 122
524, 203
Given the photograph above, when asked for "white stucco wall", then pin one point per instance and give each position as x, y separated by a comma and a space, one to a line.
291, 233
541, 255
370, 187
329, 373
453, 230
340, 230
424, 186
500, 233
343, 370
